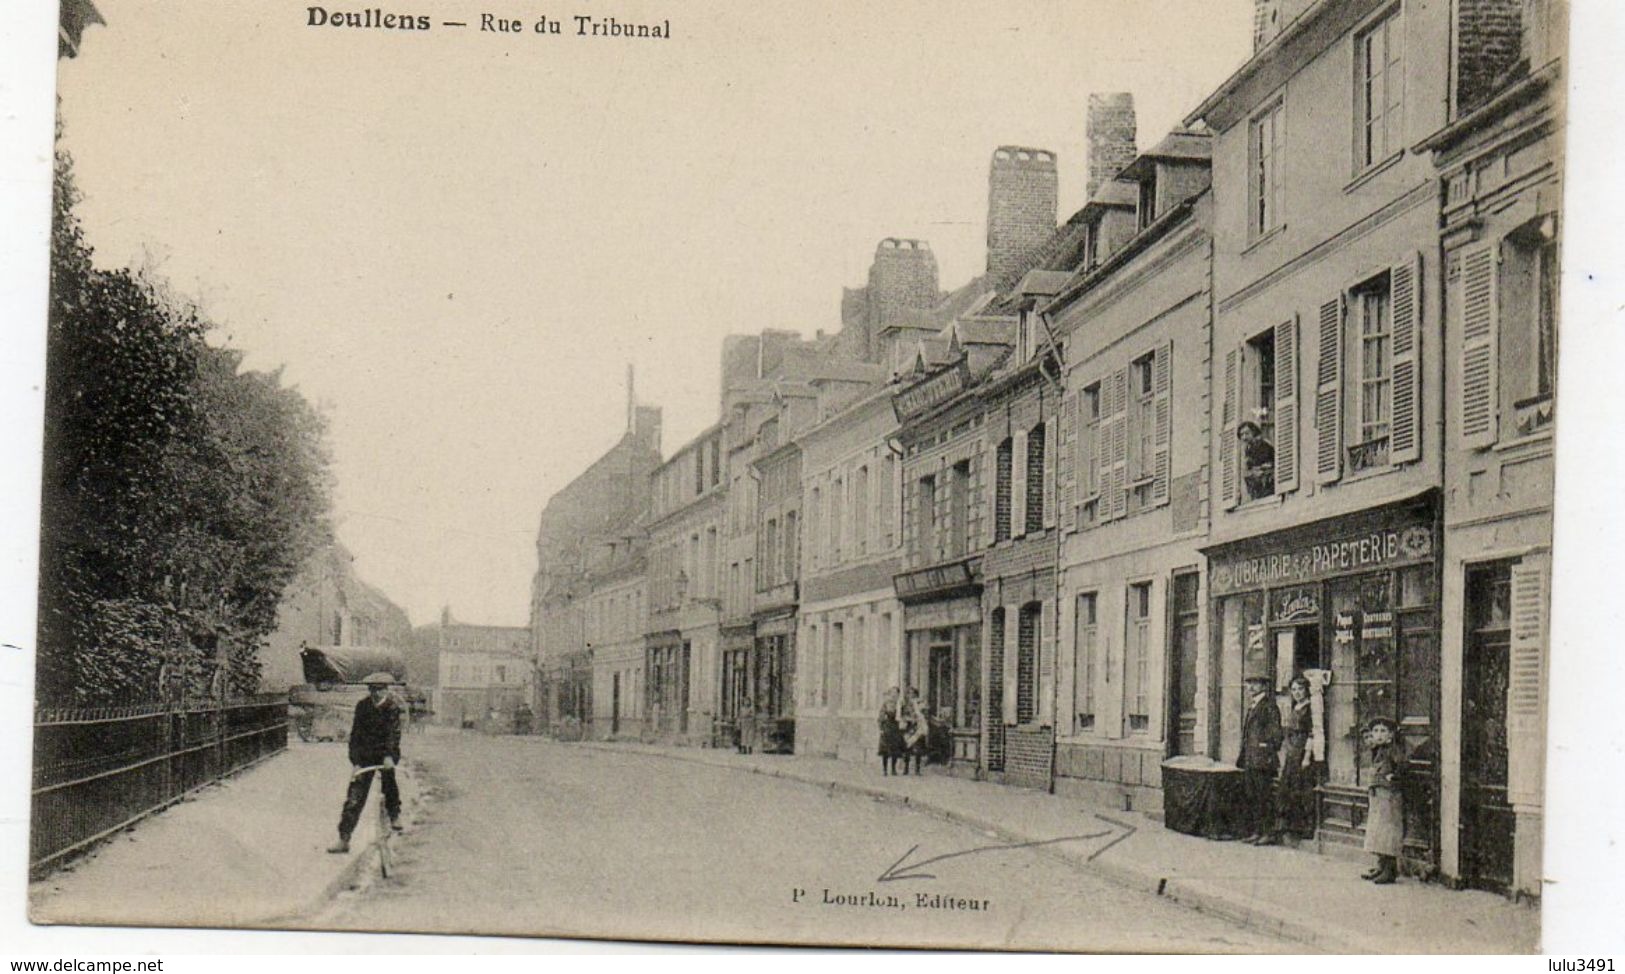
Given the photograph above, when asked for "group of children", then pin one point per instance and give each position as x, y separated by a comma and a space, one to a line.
904, 731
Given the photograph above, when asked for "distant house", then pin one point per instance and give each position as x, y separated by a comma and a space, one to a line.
484, 673
327, 605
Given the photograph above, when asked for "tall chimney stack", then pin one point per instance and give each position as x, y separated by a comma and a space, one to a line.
1111, 133
1021, 202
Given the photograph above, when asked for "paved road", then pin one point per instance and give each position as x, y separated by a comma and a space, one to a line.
525, 836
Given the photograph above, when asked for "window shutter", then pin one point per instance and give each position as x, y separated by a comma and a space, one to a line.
1066, 472
1119, 495
1162, 381
1227, 434
1405, 412
1285, 407
1012, 652
1052, 467
1018, 483
1329, 394
1526, 681
1103, 453
1472, 302
1046, 662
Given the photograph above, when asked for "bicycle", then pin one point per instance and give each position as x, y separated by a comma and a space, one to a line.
386, 831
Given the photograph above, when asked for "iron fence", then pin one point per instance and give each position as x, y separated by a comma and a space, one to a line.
97, 770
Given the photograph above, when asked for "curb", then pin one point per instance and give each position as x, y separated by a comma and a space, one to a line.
356, 863
1190, 893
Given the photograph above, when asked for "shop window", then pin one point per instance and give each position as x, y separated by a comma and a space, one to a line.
1137, 658
969, 712
1182, 655
1085, 663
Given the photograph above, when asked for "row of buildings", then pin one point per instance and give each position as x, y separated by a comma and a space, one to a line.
1278, 399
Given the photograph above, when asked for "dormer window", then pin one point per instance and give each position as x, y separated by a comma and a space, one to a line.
1147, 211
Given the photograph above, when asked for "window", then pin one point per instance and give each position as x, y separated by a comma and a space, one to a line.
1088, 451
1370, 306
860, 511
1379, 91
888, 492
1001, 500
1265, 145
925, 519
1255, 434
1027, 632
1142, 414
699, 469
1085, 664
834, 665
1137, 648
1528, 327
770, 550
788, 558
1034, 520
502, 674
815, 513
1146, 212
716, 462
959, 510
837, 511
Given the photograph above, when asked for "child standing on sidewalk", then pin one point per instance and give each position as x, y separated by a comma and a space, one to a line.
1384, 820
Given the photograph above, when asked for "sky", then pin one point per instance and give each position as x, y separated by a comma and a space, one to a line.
455, 241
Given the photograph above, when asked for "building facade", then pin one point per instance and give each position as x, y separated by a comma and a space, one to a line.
485, 674
682, 667
849, 624
614, 617
1324, 549
1500, 165
1135, 324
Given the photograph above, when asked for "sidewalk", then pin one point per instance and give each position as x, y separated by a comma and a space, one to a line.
1300, 895
247, 852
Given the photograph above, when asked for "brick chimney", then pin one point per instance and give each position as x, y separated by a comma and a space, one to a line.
1489, 44
1021, 201
903, 276
1111, 133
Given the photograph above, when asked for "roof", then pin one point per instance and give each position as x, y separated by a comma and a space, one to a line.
1042, 282
1180, 145
847, 370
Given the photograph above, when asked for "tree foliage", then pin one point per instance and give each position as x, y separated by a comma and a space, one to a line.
181, 494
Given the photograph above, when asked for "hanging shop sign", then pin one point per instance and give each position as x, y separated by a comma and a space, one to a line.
1335, 554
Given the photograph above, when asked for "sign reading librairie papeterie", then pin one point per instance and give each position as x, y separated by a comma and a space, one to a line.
1338, 554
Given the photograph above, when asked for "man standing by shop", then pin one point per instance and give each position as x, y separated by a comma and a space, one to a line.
375, 739
1260, 754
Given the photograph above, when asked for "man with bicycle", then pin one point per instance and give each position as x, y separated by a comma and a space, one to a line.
375, 741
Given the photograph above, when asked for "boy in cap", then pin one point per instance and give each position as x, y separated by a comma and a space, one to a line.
1384, 820
1260, 754
375, 739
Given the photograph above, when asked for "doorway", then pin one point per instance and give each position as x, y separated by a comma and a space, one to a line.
1297, 648
1487, 823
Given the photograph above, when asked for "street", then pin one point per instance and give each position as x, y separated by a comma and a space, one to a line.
523, 836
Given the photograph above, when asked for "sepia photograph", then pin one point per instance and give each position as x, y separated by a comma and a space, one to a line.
1030, 476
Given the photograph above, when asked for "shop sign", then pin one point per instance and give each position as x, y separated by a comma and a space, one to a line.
1297, 603
937, 578
931, 391
1368, 551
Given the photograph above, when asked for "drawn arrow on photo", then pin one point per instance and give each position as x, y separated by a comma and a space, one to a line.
903, 869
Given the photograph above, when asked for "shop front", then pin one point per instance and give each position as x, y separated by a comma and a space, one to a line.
772, 674
942, 657
736, 709
667, 666
1350, 603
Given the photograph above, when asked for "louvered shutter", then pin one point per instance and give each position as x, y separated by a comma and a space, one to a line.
1046, 663
1162, 380
1228, 449
1329, 394
1066, 471
1526, 681
1103, 452
1085, 454
1012, 654
1405, 412
1119, 494
1052, 467
1472, 302
1285, 407
1018, 483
